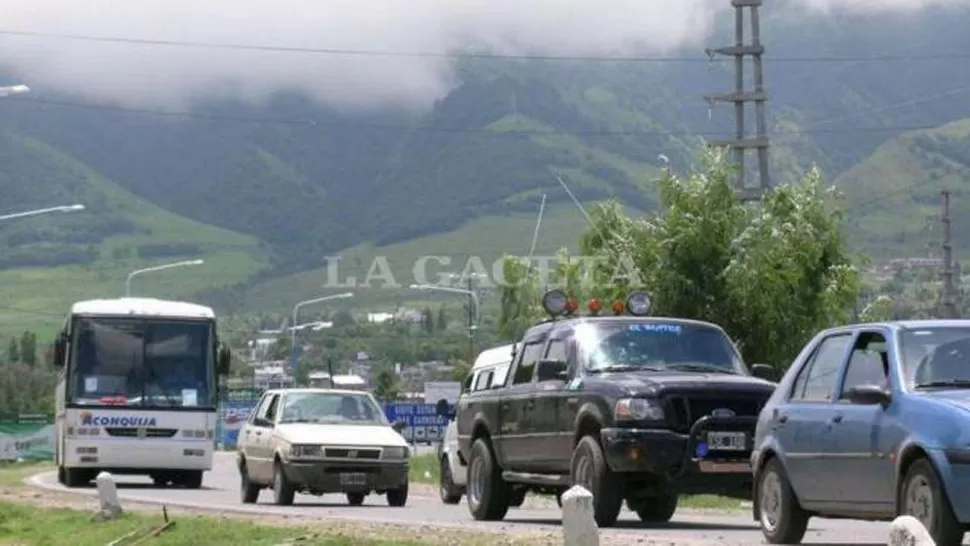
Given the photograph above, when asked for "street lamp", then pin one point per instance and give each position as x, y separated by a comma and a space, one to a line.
157, 268
11, 90
471, 327
296, 310
64, 208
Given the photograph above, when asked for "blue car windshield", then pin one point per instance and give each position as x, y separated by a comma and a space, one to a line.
656, 346
936, 357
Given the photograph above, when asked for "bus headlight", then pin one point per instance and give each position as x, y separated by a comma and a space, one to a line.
306, 451
396, 452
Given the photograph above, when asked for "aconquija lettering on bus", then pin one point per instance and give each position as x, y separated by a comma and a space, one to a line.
89, 419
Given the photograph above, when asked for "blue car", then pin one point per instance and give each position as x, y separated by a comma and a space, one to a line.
871, 421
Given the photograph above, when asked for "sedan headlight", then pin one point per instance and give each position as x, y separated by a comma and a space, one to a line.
306, 451
638, 409
396, 452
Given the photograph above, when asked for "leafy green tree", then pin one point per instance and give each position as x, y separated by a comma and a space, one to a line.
442, 320
427, 320
386, 386
13, 352
28, 348
771, 274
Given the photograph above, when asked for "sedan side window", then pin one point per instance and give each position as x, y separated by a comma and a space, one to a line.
816, 380
868, 363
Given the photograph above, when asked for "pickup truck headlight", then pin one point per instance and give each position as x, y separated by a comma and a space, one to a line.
306, 451
638, 409
396, 452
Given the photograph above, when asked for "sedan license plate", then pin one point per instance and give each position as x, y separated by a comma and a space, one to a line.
353, 478
727, 441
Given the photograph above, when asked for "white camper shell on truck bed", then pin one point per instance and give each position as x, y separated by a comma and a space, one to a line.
490, 369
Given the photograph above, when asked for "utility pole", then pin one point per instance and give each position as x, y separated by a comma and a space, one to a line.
471, 324
739, 97
948, 299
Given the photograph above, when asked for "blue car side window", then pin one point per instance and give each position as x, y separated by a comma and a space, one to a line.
816, 380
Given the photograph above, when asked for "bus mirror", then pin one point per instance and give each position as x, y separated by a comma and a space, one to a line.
60, 348
225, 358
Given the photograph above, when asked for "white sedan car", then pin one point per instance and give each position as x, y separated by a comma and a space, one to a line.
322, 441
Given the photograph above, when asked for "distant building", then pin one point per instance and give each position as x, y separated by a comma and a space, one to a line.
272, 377
351, 382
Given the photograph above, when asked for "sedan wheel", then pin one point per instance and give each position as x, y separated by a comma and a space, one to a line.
782, 519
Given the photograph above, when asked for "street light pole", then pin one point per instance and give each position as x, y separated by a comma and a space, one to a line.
296, 309
156, 268
64, 208
471, 327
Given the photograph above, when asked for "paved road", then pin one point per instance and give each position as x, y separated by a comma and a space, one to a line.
220, 492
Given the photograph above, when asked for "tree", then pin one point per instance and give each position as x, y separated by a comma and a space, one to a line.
427, 320
771, 274
386, 385
442, 319
461, 371
28, 348
13, 353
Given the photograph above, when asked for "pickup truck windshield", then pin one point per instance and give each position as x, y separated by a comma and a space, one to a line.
936, 357
656, 346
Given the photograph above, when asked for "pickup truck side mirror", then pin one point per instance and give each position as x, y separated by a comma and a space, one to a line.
868, 395
552, 370
399, 426
443, 409
763, 371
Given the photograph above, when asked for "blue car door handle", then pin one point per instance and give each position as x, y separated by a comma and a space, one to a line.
837, 418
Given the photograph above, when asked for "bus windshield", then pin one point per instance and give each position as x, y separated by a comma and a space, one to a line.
142, 362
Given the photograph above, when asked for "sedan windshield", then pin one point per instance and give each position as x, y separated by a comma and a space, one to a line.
936, 357
331, 408
657, 346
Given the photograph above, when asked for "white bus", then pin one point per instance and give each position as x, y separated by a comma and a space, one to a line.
138, 390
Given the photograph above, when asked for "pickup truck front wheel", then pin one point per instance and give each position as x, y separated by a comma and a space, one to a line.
589, 469
487, 492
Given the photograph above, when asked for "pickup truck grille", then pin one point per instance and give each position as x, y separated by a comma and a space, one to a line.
149, 432
353, 454
684, 410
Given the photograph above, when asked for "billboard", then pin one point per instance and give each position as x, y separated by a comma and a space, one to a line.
234, 409
27, 437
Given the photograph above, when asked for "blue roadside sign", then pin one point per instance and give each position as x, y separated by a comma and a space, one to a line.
423, 424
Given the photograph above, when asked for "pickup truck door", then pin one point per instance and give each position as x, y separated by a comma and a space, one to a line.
550, 422
517, 442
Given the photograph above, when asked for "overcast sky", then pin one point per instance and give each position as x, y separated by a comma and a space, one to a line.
151, 76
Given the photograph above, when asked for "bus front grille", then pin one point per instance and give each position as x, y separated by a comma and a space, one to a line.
141, 433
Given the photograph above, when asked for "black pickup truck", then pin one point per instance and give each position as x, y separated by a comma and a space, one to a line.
633, 408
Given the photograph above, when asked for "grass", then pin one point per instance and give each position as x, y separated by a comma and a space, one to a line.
425, 469
31, 520
480, 242
23, 524
38, 298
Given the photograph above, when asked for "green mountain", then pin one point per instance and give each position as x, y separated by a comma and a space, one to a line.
266, 192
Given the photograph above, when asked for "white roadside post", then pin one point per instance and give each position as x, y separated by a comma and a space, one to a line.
108, 496
578, 525
908, 531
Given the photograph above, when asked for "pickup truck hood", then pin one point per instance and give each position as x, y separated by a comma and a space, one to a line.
337, 435
659, 383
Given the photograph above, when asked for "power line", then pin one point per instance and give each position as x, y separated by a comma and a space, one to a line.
457, 55
457, 130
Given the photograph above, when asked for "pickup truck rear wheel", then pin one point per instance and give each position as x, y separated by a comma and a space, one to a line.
487, 492
588, 468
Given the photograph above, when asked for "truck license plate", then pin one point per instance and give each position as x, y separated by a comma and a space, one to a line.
353, 478
727, 441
